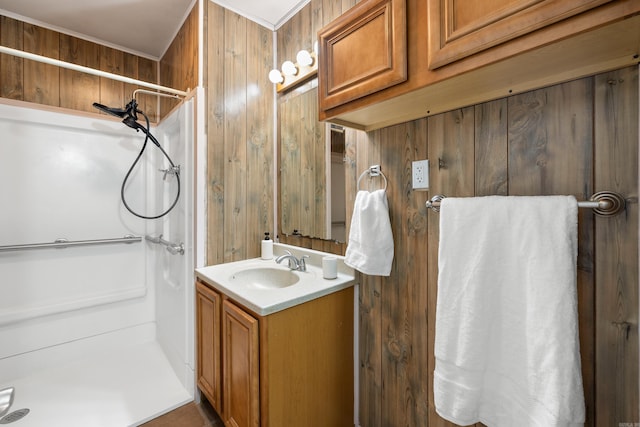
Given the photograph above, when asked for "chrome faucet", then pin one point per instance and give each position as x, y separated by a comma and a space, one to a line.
294, 263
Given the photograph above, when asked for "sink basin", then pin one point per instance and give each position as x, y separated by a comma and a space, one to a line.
265, 287
265, 278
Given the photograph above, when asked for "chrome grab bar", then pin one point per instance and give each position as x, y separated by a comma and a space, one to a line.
64, 243
172, 248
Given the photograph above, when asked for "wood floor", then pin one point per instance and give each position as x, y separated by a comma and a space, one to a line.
189, 415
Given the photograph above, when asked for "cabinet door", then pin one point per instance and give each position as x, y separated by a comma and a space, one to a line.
460, 28
209, 370
240, 367
362, 52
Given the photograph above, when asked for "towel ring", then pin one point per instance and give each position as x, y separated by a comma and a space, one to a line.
373, 171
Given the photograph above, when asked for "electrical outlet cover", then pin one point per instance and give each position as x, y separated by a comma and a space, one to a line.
420, 175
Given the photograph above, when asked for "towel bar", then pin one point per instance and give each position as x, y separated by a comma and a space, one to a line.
603, 203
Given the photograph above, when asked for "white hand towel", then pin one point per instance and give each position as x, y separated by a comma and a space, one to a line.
370, 247
506, 346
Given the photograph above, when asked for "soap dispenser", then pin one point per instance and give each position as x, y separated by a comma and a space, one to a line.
267, 247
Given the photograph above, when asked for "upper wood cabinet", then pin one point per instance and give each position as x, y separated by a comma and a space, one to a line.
460, 28
363, 51
465, 52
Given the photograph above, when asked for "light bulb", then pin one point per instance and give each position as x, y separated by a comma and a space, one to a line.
275, 76
304, 58
289, 68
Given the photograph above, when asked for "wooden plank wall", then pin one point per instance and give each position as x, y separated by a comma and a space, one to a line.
575, 138
302, 146
300, 32
179, 64
616, 248
289, 132
30, 81
240, 153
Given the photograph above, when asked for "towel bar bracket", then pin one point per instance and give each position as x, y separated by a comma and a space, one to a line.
434, 203
603, 203
373, 171
609, 203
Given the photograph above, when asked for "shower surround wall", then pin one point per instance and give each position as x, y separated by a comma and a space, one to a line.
146, 329
62, 179
65, 183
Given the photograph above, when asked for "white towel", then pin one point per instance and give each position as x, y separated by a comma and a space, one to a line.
506, 346
370, 247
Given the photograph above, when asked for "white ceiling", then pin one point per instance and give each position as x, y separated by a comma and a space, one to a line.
143, 27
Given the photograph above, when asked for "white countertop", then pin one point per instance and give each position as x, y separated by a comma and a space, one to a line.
264, 301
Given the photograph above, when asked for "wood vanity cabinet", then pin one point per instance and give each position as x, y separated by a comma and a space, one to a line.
240, 368
208, 322
464, 52
291, 367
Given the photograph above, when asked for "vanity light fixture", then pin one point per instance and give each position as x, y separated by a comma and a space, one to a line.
275, 76
304, 58
289, 68
291, 74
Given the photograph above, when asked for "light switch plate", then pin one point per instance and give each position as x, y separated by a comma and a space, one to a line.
420, 175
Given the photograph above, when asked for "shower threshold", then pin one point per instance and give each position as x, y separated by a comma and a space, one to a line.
122, 387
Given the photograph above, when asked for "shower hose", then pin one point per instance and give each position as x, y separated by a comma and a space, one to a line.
149, 136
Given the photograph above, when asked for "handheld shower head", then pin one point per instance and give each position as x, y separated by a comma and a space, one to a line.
129, 114
118, 112
132, 122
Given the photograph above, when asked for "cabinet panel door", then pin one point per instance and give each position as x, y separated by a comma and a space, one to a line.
209, 369
240, 367
362, 51
460, 28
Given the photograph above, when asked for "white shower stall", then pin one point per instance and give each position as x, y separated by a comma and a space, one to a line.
98, 330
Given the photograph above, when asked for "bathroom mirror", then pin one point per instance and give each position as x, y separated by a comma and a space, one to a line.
311, 195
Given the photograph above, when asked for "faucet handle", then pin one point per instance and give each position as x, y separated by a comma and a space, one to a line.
303, 263
291, 261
